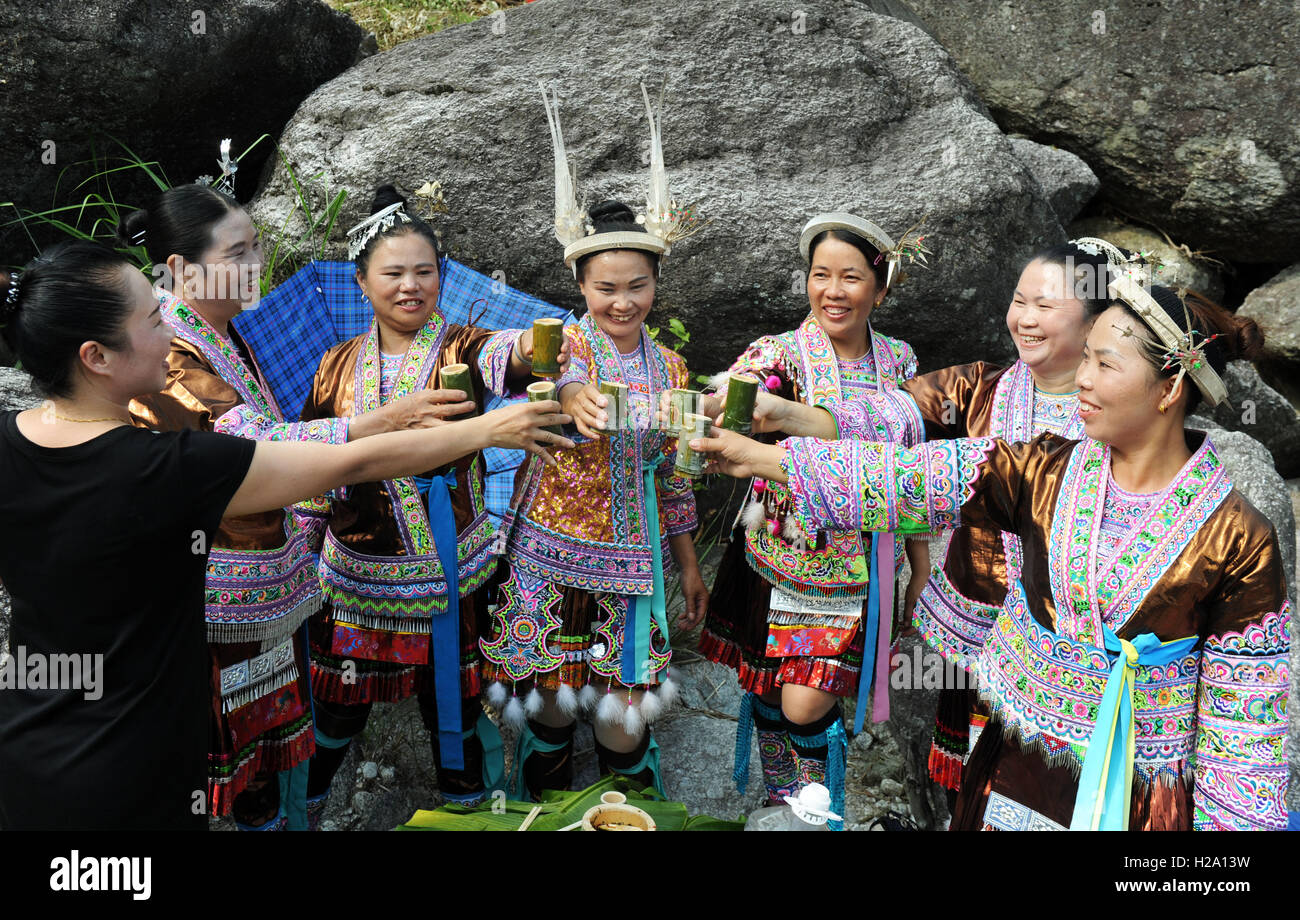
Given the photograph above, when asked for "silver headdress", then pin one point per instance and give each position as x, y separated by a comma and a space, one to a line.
372, 226
1177, 347
229, 166
910, 246
665, 220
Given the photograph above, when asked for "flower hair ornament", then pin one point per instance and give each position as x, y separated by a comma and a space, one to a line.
228, 165
910, 246
361, 234
1176, 347
666, 221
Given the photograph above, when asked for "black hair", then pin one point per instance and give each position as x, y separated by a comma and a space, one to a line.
879, 267
1092, 272
179, 222
609, 217
1235, 336
72, 293
385, 196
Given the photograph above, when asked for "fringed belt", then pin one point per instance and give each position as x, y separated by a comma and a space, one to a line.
396, 593
951, 622
1051, 691
260, 595
253, 678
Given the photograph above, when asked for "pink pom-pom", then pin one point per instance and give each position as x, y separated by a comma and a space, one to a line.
773, 382
760, 486
773, 525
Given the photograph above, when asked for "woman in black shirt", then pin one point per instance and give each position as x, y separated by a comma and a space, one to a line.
104, 530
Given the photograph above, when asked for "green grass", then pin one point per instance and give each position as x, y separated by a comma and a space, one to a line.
396, 21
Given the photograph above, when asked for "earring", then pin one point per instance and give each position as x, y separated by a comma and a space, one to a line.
1162, 407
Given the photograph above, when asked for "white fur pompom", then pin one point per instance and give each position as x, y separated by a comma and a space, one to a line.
754, 516
650, 706
790, 529
587, 698
668, 693
610, 709
496, 694
718, 382
566, 701
514, 712
533, 704
632, 721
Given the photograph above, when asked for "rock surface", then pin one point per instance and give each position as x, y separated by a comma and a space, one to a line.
756, 132
1183, 109
15, 393
1250, 466
1261, 412
169, 80
1275, 305
1066, 179
1172, 266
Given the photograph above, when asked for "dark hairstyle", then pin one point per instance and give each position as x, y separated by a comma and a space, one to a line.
387, 195
178, 222
879, 267
1091, 270
72, 293
1238, 337
608, 217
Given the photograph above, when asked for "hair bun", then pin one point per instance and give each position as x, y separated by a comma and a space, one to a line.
1247, 339
131, 229
610, 214
386, 196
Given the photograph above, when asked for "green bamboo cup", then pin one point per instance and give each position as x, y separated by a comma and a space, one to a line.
548, 338
690, 463
742, 391
541, 391
616, 410
457, 377
680, 404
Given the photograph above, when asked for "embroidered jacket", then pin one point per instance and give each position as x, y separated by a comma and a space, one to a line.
962, 599
582, 523
379, 566
805, 364
1201, 562
261, 581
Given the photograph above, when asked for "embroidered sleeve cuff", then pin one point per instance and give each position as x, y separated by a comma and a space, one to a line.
865, 485
244, 422
1241, 773
494, 361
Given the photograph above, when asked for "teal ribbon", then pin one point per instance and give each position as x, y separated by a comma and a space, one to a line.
651, 760
527, 744
293, 796
444, 628
744, 732
1106, 781
643, 609
494, 758
869, 637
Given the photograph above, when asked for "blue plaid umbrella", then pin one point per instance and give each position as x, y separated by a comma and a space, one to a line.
321, 306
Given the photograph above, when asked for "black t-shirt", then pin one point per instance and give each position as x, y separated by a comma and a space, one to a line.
103, 550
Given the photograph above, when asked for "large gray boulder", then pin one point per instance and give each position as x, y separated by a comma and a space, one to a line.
1170, 264
1261, 412
1067, 181
1250, 466
1185, 111
168, 79
771, 114
15, 393
1275, 305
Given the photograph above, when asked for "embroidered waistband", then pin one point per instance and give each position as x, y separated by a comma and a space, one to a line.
953, 623
260, 595
1047, 690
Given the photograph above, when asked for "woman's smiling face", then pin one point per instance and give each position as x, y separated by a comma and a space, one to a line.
619, 287
1048, 323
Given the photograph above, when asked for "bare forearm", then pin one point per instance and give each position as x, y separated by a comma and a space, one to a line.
368, 424
682, 546
809, 422
402, 453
